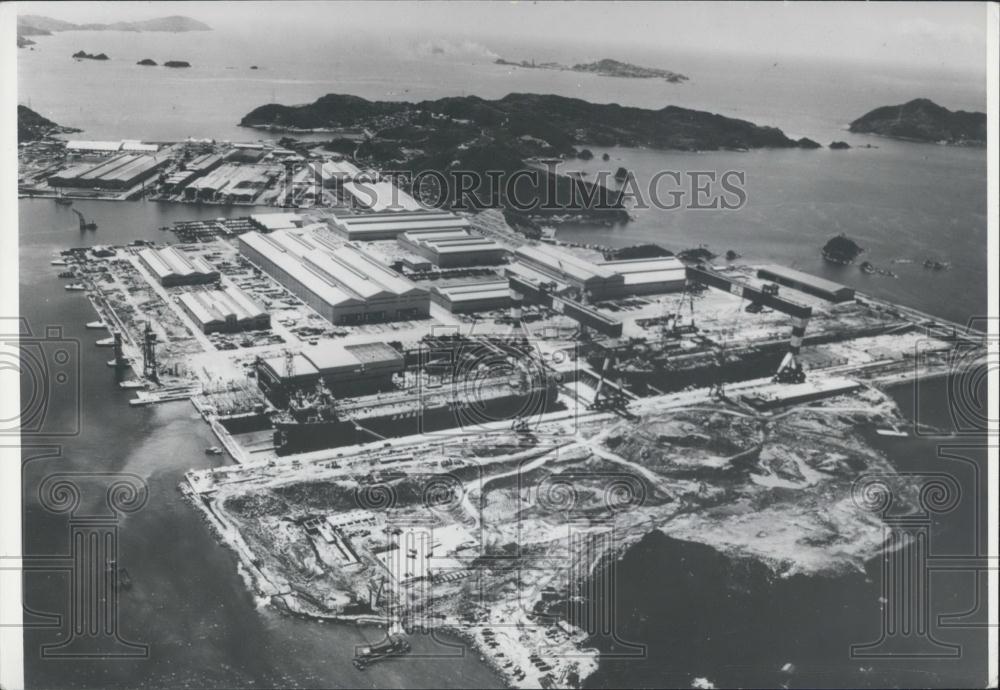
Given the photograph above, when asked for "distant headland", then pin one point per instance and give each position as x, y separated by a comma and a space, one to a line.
605, 68
924, 120
36, 25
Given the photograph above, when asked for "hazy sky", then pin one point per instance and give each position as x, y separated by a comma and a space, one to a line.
949, 35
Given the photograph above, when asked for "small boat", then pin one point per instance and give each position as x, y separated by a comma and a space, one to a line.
57, 262
125, 362
213, 450
96, 325
75, 287
105, 342
64, 201
67, 274
891, 432
131, 384
867, 267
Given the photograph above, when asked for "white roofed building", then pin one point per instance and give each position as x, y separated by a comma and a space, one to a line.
390, 225
380, 196
226, 310
89, 146
171, 266
448, 248
339, 280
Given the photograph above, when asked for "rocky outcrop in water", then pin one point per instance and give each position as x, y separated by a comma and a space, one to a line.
176, 63
83, 55
147, 62
841, 250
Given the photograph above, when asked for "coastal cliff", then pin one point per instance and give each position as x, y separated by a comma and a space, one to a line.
924, 120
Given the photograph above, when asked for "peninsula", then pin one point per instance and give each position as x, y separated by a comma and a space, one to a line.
924, 120
31, 126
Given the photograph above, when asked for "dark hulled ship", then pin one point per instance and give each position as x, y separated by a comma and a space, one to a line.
317, 421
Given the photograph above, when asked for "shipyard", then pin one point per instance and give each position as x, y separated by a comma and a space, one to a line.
406, 394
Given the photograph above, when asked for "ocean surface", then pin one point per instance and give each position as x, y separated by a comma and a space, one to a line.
899, 200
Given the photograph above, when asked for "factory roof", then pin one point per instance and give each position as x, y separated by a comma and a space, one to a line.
565, 263
804, 278
330, 358
533, 275
341, 267
340, 170
136, 145
451, 241
643, 271
277, 221
382, 196
474, 291
87, 145
203, 161
210, 306
315, 281
172, 261
398, 223
232, 176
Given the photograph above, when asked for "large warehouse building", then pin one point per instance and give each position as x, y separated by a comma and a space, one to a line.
224, 311
472, 297
389, 226
804, 282
379, 197
171, 266
120, 172
649, 276
453, 247
341, 282
347, 370
599, 281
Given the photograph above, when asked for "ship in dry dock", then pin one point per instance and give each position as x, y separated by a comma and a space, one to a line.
316, 420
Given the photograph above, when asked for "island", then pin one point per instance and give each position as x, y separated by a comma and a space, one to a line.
839, 145
533, 123
147, 62
605, 68
23, 42
176, 63
36, 25
807, 143
512, 134
924, 120
841, 250
33, 127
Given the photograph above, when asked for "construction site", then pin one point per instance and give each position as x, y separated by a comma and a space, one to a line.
433, 462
